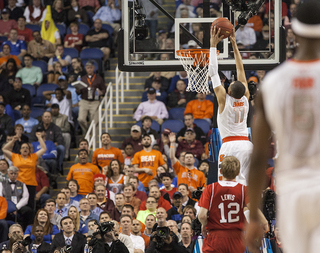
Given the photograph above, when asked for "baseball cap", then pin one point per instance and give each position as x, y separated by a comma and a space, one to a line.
39, 129
166, 131
151, 90
135, 128
253, 79
176, 194
5, 11
62, 77
190, 130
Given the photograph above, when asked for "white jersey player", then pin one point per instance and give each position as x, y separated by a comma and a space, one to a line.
233, 110
289, 104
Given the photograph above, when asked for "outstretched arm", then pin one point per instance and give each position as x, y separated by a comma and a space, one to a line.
240, 69
172, 152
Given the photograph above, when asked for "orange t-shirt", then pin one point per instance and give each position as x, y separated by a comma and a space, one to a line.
194, 177
151, 160
27, 168
103, 157
84, 176
4, 59
200, 109
3, 208
146, 239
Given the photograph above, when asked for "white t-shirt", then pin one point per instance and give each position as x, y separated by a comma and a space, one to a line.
138, 242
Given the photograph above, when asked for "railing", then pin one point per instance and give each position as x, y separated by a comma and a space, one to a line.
119, 79
91, 135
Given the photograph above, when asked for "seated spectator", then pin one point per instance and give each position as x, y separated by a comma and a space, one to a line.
119, 203
3, 222
6, 24
184, 190
5, 120
18, 96
83, 172
128, 192
130, 172
90, 97
53, 133
146, 128
161, 216
80, 227
18, 47
22, 138
89, 5
75, 39
64, 60
264, 41
246, 36
24, 33
4, 165
9, 64
134, 139
127, 245
56, 73
75, 14
8, 190
189, 210
151, 207
93, 200
104, 217
127, 154
42, 188
136, 231
102, 179
155, 192
200, 108
15, 234
157, 77
204, 168
74, 189
136, 193
85, 213
38, 234
77, 70
106, 204
149, 222
115, 176
26, 121
186, 235
61, 209
99, 38
30, 74
55, 218
42, 219
180, 97
49, 31
153, 108
39, 48
14, 10
160, 96
166, 179
175, 213
59, 15
35, 13
190, 144
181, 75
163, 142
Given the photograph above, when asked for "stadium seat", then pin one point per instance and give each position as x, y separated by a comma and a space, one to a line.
91, 53
41, 64
90, 15
203, 124
108, 28
3, 38
174, 125
176, 113
62, 29
71, 51
36, 112
209, 97
30, 88
154, 125
45, 87
33, 27
83, 29
96, 65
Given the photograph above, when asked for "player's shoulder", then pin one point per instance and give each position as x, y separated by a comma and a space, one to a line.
279, 73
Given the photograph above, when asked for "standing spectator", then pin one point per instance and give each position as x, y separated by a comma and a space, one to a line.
75, 39
75, 14
153, 108
3, 222
175, 213
18, 96
39, 48
85, 213
180, 97
190, 144
24, 33
26, 162
35, 13
5, 120
168, 187
128, 192
18, 47
200, 108
101, 179
188, 124
50, 206
4, 165
53, 133
89, 102
127, 154
134, 139
15, 11
149, 222
22, 138
104, 155
17, 192
42, 188
83, 172
84, 144
115, 176
89, 5
93, 200
155, 192
156, 77
8, 64
104, 203
59, 15
6, 24
30, 74
151, 207
26, 121
99, 38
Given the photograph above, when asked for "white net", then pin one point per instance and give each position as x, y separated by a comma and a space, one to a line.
197, 70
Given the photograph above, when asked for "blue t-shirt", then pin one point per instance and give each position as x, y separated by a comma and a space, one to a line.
83, 229
47, 238
51, 152
77, 198
27, 124
16, 47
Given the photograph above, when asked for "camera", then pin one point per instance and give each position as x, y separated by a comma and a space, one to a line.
197, 193
269, 210
252, 87
196, 226
140, 28
161, 234
66, 249
103, 228
26, 241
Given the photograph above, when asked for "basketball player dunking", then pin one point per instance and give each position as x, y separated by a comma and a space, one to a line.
289, 105
233, 109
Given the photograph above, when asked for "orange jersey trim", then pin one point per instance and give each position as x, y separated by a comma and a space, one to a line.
235, 138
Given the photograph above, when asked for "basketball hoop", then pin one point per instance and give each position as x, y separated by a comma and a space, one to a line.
195, 62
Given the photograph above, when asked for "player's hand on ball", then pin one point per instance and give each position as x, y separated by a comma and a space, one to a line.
254, 236
216, 37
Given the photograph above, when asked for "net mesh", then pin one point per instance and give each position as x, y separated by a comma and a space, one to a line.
195, 63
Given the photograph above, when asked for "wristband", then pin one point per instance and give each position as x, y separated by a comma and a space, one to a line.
172, 146
58, 57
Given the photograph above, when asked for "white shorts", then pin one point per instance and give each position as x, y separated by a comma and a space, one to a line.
241, 150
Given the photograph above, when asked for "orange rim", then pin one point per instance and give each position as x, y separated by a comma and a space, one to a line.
199, 55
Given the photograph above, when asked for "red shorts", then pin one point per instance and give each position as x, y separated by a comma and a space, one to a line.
224, 241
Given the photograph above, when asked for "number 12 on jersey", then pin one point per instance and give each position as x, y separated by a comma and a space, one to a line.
232, 209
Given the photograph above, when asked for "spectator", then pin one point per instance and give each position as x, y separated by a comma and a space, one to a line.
180, 97
35, 13
15, 234
93, 200
59, 15
18, 96
6, 24
136, 231
30, 74
184, 190
104, 203
104, 217
49, 31
61, 209
15, 11
204, 168
188, 124
149, 222
200, 108
245, 35
160, 95
153, 108
75, 14
38, 233
42, 188
186, 234
190, 144
181, 75
90, 96
186, 218
161, 216
89, 5
130, 172
83, 173
3, 222
156, 77
26, 121
68, 237
175, 213
146, 128
103, 156
127, 154
166, 180
85, 213
9, 71
55, 218
163, 142
69, 202
92, 226
135, 139
18, 47
74, 189
4, 165
77, 70
39, 48
17, 192
75, 39
138, 194
64, 60
147, 161
128, 192
99, 38
18, 130
119, 203
173, 226
24, 33
42, 219
190, 211
264, 42
53, 133
5, 120
151, 207
84, 144
155, 192
80, 226
102, 179
151, 12
115, 176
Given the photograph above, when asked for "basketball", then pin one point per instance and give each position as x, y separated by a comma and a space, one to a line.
225, 26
